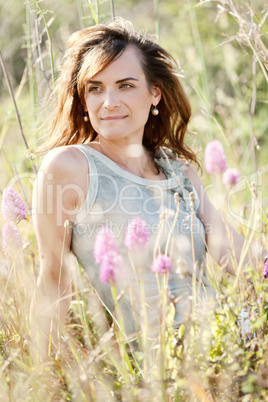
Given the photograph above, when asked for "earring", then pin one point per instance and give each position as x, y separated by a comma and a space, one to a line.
155, 111
86, 117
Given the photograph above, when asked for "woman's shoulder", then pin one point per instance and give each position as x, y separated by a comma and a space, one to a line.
65, 159
62, 155
65, 167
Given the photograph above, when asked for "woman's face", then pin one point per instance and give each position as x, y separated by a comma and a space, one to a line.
118, 99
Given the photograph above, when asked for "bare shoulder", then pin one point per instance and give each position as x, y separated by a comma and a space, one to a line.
64, 160
66, 169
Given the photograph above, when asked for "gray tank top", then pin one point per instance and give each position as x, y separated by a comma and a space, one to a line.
116, 196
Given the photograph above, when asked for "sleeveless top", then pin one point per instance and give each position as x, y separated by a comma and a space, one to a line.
115, 197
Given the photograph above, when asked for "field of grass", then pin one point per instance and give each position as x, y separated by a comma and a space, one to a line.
221, 50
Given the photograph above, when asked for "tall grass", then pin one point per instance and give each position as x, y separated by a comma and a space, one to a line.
213, 359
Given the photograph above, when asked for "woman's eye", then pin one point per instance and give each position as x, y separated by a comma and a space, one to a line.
126, 85
94, 89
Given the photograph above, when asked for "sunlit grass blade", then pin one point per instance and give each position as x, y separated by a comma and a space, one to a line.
37, 3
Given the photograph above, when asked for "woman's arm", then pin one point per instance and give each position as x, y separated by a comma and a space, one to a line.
58, 193
222, 240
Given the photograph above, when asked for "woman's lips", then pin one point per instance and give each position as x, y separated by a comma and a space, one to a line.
118, 117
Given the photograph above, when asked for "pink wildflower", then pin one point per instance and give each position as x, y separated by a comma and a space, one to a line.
111, 265
161, 264
137, 234
104, 243
265, 269
215, 160
230, 176
11, 238
13, 208
106, 252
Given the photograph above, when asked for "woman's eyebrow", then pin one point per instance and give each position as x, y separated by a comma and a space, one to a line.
117, 82
127, 79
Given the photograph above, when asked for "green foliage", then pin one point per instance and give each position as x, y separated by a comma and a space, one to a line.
221, 49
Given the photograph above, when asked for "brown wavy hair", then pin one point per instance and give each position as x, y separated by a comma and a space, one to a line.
92, 49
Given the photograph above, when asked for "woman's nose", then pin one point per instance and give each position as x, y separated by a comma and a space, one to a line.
111, 100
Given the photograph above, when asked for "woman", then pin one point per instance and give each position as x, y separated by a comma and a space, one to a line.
119, 102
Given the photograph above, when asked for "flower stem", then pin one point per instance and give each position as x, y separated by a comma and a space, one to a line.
172, 227
121, 336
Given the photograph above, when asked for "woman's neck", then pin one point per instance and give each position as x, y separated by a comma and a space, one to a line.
133, 158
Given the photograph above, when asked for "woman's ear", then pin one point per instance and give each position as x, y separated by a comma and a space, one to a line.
156, 92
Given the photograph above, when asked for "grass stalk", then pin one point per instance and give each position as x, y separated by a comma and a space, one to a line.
81, 313
80, 13
6, 123
250, 235
131, 297
32, 83
15, 107
156, 18
144, 322
93, 13
193, 254
162, 337
66, 224
121, 335
177, 200
159, 234
252, 113
37, 3
112, 9
188, 367
200, 53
